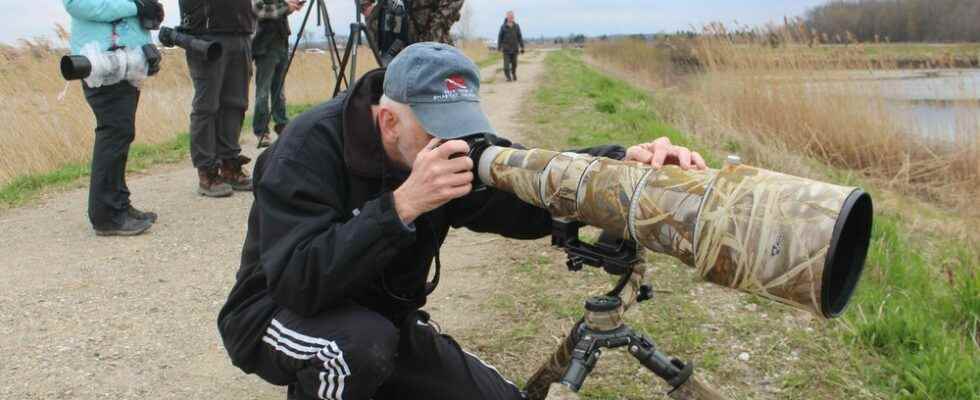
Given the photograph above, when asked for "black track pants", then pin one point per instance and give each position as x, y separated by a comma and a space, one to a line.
352, 353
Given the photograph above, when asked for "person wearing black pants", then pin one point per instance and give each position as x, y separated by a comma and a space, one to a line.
109, 208
106, 25
351, 354
220, 92
510, 41
350, 210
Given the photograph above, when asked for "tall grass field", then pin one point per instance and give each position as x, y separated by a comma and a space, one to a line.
49, 128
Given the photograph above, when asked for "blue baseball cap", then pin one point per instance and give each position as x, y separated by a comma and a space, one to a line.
442, 86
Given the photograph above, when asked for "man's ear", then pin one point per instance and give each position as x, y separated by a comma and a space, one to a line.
387, 123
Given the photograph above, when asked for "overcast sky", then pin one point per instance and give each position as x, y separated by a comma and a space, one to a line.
30, 18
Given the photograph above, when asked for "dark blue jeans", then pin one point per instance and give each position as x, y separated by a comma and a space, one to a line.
115, 117
270, 69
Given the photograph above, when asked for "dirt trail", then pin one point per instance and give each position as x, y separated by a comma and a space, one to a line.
85, 317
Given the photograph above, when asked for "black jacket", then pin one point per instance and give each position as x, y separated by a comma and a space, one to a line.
323, 230
271, 35
217, 16
509, 40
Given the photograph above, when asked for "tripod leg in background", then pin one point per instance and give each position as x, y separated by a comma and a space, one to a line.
331, 38
342, 78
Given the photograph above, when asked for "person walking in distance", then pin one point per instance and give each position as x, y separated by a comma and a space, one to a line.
510, 41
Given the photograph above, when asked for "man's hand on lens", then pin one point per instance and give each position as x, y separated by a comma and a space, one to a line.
436, 179
661, 152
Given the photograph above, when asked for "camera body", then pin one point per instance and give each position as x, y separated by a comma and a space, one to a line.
478, 144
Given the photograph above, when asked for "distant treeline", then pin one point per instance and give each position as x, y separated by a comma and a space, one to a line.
899, 20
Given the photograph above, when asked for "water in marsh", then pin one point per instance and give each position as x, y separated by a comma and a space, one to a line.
940, 104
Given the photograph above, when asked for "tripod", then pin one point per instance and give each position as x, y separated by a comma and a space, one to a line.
603, 326
343, 77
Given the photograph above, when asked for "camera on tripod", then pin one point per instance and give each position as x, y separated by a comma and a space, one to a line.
195, 46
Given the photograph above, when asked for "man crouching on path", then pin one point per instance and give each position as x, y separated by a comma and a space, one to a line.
351, 206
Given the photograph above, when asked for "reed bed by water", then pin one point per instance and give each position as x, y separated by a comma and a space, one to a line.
916, 313
48, 123
755, 99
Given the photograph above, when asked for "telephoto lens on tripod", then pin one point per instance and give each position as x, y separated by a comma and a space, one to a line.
790, 239
195, 46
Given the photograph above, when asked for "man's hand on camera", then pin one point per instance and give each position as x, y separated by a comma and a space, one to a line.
294, 5
436, 179
660, 152
149, 9
366, 7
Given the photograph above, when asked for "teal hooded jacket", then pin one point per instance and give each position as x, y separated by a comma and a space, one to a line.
93, 21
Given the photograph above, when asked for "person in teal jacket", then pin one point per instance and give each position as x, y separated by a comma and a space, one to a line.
93, 20
111, 24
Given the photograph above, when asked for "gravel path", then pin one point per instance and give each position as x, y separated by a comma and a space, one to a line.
85, 317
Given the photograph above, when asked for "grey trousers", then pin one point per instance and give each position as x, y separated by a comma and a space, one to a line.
270, 69
220, 100
510, 65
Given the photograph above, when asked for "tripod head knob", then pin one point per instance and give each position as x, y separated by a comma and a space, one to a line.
603, 304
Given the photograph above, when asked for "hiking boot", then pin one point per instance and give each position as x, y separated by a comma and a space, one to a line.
133, 212
279, 128
233, 173
210, 183
130, 227
264, 141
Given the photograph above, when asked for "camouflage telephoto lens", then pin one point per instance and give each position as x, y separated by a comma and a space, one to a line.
786, 238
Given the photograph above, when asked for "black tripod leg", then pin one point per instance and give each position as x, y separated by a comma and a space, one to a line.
331, 39
669, 369
584, 358
299, 36
342, 77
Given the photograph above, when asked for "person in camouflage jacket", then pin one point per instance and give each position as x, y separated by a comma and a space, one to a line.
429, 20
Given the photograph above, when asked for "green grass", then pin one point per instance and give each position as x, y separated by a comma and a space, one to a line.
918, 308
22, 190
494, 58
910, 333
596, 109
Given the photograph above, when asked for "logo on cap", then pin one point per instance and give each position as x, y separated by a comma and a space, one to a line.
455, 82
455, 89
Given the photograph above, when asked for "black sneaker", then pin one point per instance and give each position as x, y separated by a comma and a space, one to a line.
147, 215
131, 227
263, 141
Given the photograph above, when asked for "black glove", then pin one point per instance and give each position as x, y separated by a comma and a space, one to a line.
522, 50
150, 13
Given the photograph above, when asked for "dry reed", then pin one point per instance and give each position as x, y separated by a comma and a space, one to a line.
786, 100
49, 124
